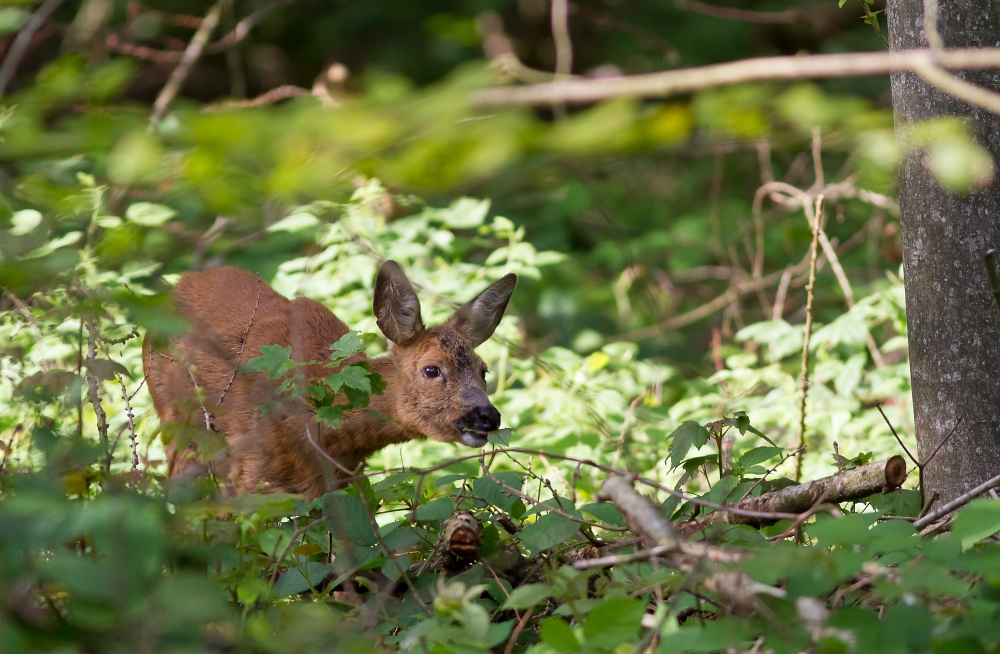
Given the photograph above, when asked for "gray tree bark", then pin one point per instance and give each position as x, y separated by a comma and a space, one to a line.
954, 330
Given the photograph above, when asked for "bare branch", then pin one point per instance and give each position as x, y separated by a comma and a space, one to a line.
687, 80
958, 502
179, 74
23, 40
846, 486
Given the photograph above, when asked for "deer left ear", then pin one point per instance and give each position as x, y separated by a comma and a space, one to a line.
479, 318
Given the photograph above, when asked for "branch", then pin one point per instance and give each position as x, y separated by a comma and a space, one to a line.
800, 440
687, 80
23, 40
645, 519
188, 60
958, 502
854, 484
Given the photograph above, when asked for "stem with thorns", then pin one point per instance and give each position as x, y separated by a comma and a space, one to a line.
804, 380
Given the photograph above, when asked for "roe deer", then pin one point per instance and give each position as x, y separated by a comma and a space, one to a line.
436, 384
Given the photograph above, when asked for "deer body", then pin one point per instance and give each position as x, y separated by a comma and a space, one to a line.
435, 382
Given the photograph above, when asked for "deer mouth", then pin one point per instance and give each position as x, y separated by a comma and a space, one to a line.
474, 438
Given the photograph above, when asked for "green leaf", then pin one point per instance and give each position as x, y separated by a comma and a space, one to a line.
351, 376
976, 521
106, 369
605, 512
722, 488
526, 596
450, 479
439, 509
558, 635
500, 437
294, 582
394, 479
274, 360
758, 455
348, 519
294, 223
347, 345
489, 491
613, 621
148, 214
331, 416
26, 220
547, 532
689, 433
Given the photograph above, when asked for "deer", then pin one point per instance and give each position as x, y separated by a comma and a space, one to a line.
435, 381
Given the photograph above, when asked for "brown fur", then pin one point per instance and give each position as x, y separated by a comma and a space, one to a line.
275, 453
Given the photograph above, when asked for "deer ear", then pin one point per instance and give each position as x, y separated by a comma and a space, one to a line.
479, 318
397, 309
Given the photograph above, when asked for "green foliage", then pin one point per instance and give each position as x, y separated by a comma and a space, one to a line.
355, 383
616, 223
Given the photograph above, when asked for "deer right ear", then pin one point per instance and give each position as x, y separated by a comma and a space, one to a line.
397, 309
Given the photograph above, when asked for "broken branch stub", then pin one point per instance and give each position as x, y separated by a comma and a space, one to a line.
858, 483
459, 542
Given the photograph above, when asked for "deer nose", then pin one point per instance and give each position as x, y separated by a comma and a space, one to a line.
486, 417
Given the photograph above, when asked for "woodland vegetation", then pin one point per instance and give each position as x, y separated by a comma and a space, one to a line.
709, 440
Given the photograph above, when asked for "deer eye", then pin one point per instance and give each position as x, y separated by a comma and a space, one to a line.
484, 373
430, 372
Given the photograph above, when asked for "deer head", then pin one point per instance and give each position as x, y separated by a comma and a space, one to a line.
440, 386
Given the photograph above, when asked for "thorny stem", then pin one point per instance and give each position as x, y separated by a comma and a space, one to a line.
131, 430
804, 380
95, 395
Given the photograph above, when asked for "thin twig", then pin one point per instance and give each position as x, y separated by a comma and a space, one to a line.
243, 343
95, 395
131, 428
517, 630
958, 502
242, 29
23, 40
878, 405
794, 527
804, 379
180, 73
560, 35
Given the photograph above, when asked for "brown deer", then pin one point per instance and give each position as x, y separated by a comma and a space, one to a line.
436, 384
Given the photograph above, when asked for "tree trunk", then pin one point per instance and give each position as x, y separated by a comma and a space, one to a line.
954, 331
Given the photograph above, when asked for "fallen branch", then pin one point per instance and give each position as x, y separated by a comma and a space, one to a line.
858, 483
644, 518
687, 80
